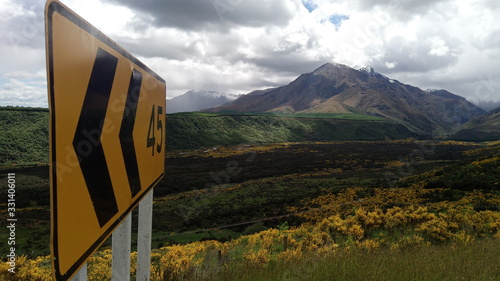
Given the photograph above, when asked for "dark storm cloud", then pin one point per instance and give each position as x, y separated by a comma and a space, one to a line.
169, 49
211, 15
180, 46
287, 64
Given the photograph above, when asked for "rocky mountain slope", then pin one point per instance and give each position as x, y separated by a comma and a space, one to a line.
337, 88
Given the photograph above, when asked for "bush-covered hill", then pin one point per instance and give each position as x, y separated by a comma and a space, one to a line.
483, 128
194, 131
25, 135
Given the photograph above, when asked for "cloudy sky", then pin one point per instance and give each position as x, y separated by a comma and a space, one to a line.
237, 46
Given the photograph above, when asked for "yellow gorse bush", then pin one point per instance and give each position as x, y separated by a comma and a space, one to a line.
336, 223
256, 258
28, 269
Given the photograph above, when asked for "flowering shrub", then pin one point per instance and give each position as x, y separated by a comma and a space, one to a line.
256, 258
27, 269
337, 223
410, 242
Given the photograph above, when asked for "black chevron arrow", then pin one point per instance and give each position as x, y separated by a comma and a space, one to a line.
126, 130
87, 139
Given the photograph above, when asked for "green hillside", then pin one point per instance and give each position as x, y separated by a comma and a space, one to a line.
483, 128
25, 135
188, 131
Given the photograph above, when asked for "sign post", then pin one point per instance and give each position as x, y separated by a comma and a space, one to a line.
144, 238
107, 115
120, 262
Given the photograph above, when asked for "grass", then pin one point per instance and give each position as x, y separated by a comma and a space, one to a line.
205, 114
25, 131
475, 261
345, 116
311, 181
314, 115
251, 183
191, 131
193, 236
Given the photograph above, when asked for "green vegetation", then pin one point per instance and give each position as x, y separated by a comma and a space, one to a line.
483, 128
223, 193
357, 210
332, 202
25, 136
196, 113
315, 115
475, 261
190, 131
345, 116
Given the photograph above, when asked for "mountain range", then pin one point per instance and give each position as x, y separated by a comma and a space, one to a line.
196, 100
482, 128
337, 88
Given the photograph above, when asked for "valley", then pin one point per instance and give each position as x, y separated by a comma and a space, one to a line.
289, 195
261, 192
225, 192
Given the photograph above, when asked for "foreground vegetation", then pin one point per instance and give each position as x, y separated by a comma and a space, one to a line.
393, 210
356, 210
25, 135
411, 243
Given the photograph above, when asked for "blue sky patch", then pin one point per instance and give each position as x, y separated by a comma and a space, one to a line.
337, 20
310, 6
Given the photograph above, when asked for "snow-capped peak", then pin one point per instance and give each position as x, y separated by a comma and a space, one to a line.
213, 94
368, 69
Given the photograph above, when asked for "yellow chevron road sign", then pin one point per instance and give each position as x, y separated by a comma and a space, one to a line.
107, 135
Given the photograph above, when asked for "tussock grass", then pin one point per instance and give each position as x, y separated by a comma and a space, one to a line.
475, 261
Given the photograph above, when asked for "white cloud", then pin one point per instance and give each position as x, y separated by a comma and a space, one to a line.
438, 47
21, 93
239, 46
41, 74
390, 65
108, 18
12, 9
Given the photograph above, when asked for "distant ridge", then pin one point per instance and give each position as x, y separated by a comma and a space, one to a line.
483, 128
196, 100
337, 88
